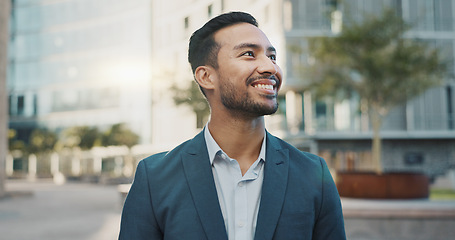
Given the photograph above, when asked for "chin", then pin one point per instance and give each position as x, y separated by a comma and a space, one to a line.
269, 110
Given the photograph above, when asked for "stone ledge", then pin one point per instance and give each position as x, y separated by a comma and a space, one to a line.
400, 214
398, 209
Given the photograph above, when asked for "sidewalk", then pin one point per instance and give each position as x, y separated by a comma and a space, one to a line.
44, 211
418, 208
77, 211
420, 219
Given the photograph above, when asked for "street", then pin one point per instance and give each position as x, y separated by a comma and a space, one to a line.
42, 210
74, 211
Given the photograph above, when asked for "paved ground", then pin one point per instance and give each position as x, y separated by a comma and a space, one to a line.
42, 210
419, 219
45, 211
417, 208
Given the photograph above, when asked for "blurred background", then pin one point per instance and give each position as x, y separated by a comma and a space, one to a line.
90, 87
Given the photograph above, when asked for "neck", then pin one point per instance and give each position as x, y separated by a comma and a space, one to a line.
240, 138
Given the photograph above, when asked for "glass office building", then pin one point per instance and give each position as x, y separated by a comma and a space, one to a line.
100, 62
417, 135
80, 62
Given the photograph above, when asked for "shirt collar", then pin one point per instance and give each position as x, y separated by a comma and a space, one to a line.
213, 148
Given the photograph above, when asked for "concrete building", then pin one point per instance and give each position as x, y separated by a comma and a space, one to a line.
80, 63
103, 62
419, 135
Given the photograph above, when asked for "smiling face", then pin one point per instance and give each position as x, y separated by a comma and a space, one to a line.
247, 79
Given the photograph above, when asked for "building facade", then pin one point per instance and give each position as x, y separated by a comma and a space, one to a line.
418, 135
80, 63
99, 62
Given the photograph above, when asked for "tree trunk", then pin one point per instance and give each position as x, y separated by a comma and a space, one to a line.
4, 37
376, 122
200, 119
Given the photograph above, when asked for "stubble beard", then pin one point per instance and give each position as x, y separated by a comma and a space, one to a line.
243, 103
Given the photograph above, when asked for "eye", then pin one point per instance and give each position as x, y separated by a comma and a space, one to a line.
248, 54
273, 57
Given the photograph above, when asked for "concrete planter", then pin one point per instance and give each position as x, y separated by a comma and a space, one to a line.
397, 185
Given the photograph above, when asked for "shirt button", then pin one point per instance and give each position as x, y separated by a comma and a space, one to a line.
241, 224
240, 184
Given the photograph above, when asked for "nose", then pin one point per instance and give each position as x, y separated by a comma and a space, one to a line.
267, 66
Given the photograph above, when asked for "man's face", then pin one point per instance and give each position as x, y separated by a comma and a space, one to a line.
248, 78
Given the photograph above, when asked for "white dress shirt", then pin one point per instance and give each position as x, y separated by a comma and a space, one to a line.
239, 196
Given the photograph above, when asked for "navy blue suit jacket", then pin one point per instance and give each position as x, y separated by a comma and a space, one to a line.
173, 196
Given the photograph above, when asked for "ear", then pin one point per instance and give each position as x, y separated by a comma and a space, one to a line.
204, 75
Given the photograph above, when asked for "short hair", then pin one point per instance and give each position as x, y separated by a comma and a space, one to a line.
203, 50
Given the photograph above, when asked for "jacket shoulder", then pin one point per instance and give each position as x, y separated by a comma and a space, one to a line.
294, 153
166, 158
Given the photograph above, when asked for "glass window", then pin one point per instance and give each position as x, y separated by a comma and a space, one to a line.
20, 105
10, 107
443, 15
450, 108
210, 10
311, 14
187, 22
421, 14
35, 105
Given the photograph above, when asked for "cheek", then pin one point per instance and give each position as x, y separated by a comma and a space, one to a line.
238, 72
237, 75
279, 72
279, 75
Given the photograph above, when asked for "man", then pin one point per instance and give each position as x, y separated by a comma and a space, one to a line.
233, 180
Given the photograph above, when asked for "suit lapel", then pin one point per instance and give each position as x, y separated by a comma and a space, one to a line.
276, 170
196, 165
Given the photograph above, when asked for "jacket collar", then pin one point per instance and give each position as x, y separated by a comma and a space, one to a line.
276, 170
197, 167
198, 171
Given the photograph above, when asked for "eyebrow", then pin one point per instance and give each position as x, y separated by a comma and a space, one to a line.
254, 46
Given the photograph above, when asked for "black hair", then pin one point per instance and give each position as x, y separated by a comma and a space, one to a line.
203, 50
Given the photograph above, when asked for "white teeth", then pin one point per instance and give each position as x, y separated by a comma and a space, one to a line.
264, 86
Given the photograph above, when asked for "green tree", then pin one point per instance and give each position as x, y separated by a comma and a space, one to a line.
41, 140
373, 59
84, 137
119, 134
192, 97
13, 142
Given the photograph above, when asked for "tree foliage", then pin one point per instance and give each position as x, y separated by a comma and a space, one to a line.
192, 97
118, 135
374, 59
13, 142
84, 137
41, 140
